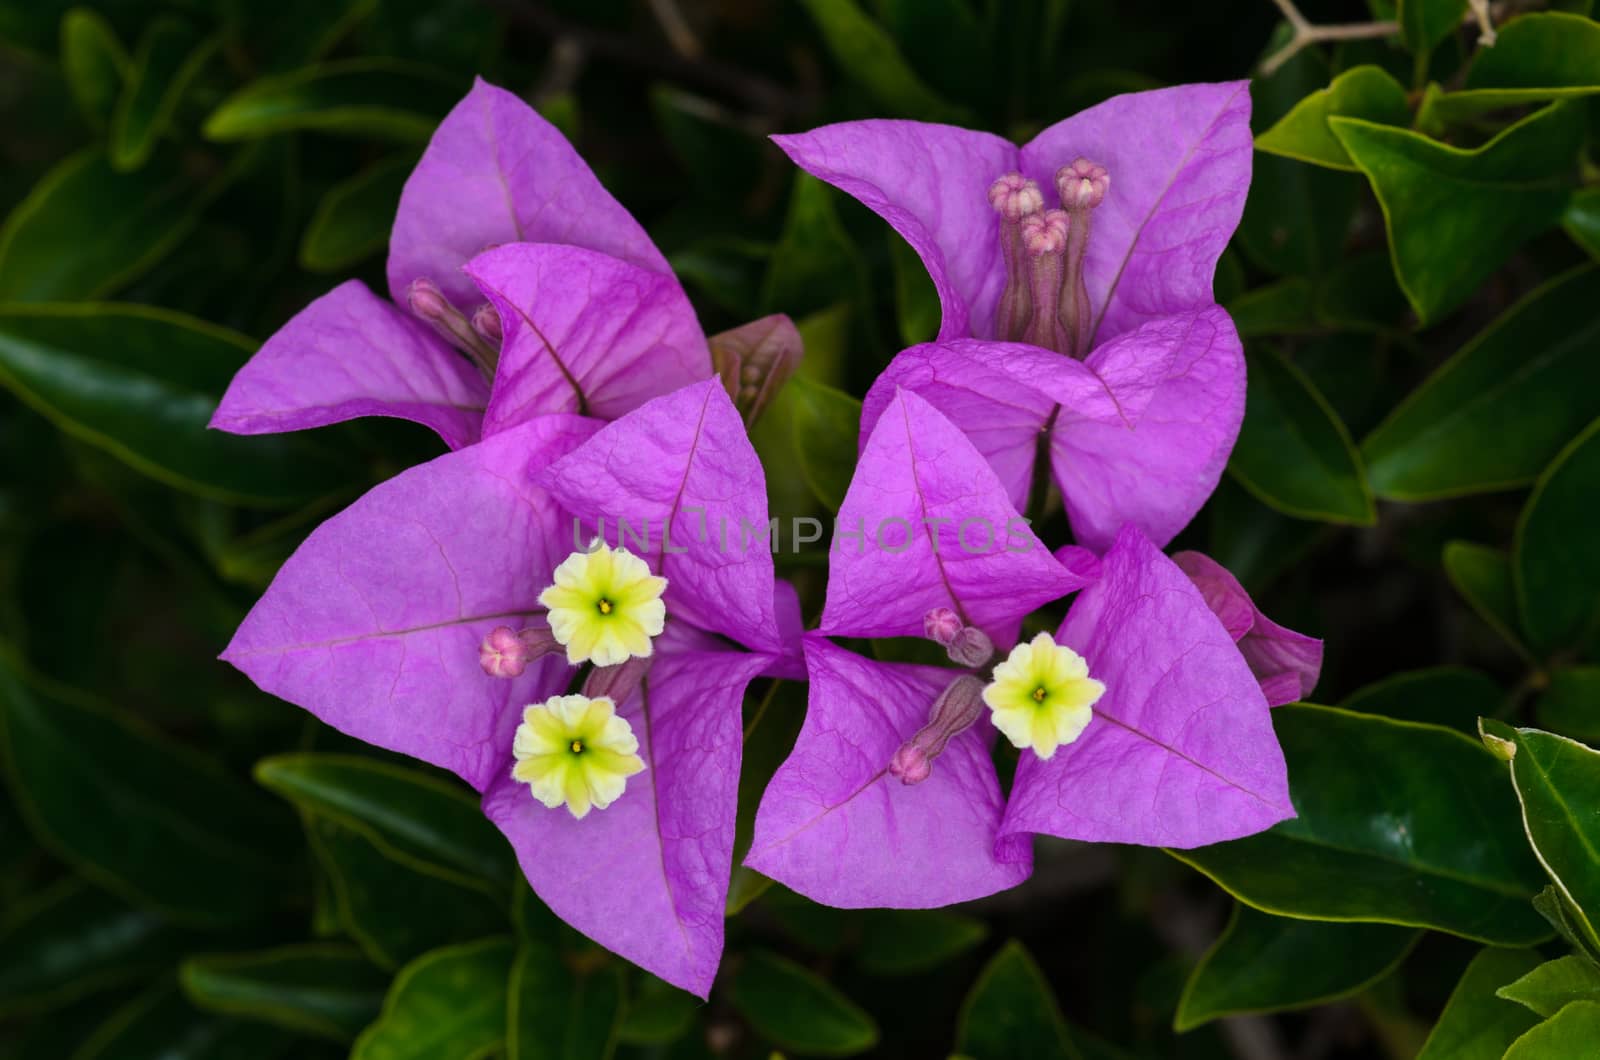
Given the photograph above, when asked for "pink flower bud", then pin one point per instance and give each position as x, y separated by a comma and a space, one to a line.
958, 706
970, 647
506, 652
941, 625
428, 302
910, 764
486, 322
1045, 233
1082, 185
1014, 197
754, 360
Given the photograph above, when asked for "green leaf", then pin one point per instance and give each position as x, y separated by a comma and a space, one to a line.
1451, 696
723, 160
379, 889
353, 219
1535, 58
1010, 1011
870, 58
1494, 415
796, 1010
1572, 1032
1482, 575
916, 300
1571, 703
1398, 824
1293, 452
418, 813
1265, 963
826, 423
140, 816
1424, 23
1557, 781
73, 940
94, 62
1455, 215
326, 989
1366, 92
167, 61
161, 1025
658, 1014
814, 264
1554, 565
1560, 914
1582, 220
557, 1012
902, 941
1475, 1024
450, 1002
86, 230
141, 383
380, 98
1554, 984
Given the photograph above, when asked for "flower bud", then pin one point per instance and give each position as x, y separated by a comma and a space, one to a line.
1082, 185
941, 625
486, 322
1014, 197
506, 652
754, 360
430, 305
617, 683
957, 707
1045, 233
971, 646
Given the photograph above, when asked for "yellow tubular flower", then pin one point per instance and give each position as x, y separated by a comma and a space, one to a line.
1041, 695
575, 751
605, 606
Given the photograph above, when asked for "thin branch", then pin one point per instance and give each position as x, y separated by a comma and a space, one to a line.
1305, 34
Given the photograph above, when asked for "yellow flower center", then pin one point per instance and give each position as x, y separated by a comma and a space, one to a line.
1041, 695
575, 751
605, 606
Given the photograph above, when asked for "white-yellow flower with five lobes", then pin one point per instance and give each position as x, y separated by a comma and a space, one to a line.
605, 606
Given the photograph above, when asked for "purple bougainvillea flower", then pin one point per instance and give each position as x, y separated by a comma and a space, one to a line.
377, 622
520, 287
1151, 185
1150, 726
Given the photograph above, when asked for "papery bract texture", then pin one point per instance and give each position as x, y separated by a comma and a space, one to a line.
1139, 433
836, 827
374, 623
584, 332
1181, 750
927, 524
1285, 662
352, 354
496, 172
648, 876
680, 472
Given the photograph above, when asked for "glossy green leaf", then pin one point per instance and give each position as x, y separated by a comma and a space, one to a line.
1536, 57
796, 1010
1455, 215
326, 989
94, 62
1557, 781
1475, 1024
1554, 984
1582, 220
169, 56
136, 814
1265, 963
902, 941
916, 300
826, 423
450, 1002
1554, 564
1562, 915
73, 940
86, 230
870, 58
560, 1012
815, 264
1571, 703
1452, 696
1293, 452
142, 383
1572, 1032
1424, 23
1398, 823
421, 814
380, 892
1010, 1011
379, 98
1366, 92
1482, 575
1496, 414
161, 1025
